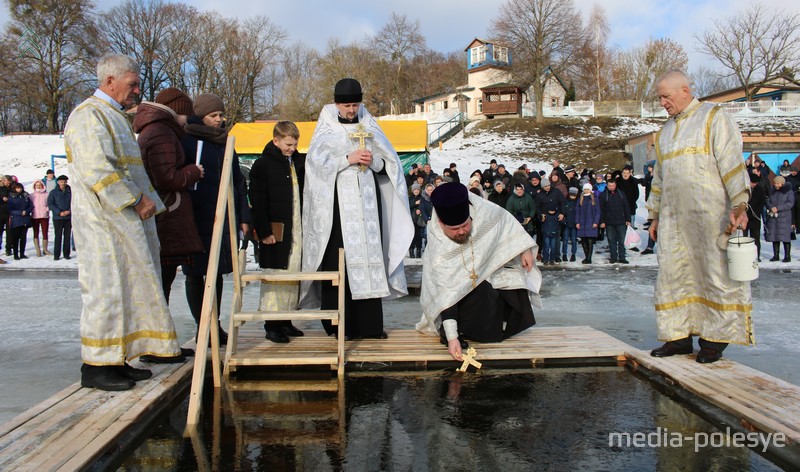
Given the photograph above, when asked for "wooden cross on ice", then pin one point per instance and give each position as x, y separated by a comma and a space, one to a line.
469, 359
360, 134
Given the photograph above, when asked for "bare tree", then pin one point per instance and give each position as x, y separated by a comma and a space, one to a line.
635, 71
298, 93
206, 52
399, 42
259, 49
360, 63
754, 45
56, 38
150, 31
706, 81
542, 34
594, 62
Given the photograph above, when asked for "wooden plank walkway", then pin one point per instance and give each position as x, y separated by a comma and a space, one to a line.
759, 402
75, 428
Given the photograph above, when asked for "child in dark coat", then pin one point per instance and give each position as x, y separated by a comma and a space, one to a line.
276, 191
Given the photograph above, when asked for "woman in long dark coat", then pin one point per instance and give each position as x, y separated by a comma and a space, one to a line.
587, 221
207, 126
160, 128
779, 218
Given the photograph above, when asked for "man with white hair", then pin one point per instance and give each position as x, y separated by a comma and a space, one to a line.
694, 295
125, 314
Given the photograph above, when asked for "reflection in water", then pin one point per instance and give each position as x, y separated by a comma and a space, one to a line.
548, 419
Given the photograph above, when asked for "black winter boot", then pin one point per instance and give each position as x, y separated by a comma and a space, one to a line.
776, 252
590, 243
787, 249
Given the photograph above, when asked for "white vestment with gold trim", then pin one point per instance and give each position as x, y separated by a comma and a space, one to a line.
125, 314
699, 175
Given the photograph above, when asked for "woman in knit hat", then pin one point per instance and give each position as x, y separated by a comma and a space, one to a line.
779, 218
204, 143
160, 127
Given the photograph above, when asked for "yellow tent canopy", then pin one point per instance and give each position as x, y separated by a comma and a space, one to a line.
405, 136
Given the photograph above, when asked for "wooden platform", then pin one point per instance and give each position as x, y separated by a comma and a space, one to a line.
78, 427
536, 345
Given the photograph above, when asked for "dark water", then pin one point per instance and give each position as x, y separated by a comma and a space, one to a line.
494, 420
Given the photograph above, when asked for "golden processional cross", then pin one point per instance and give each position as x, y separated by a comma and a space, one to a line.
469, 359
360, 134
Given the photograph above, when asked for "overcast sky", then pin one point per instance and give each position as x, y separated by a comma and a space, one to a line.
449, 25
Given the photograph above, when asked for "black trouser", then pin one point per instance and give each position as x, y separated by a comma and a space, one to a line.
195, 290
63, 229
754, 231
687, 342
18, 237
168, 273
416, 243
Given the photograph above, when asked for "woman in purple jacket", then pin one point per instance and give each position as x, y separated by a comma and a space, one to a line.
587, 221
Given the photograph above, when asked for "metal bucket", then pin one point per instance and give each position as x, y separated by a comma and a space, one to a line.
742, 259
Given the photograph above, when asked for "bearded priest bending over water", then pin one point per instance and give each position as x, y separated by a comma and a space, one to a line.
479, 278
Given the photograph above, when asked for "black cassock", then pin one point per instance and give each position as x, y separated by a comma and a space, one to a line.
481, 313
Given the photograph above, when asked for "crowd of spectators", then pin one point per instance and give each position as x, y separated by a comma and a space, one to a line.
21, 209
568, 206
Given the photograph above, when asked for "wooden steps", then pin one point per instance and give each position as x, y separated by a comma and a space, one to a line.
290, 276
299, 315
330, 354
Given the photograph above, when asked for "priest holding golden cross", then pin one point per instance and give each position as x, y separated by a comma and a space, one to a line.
479, 277
360, 134
354, 198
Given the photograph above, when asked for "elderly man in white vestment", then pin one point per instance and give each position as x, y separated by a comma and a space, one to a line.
124, 312
479, 278
355, 197
700, 187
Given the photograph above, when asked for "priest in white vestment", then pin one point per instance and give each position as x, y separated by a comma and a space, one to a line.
355, 197
700, 187
124, 312
479, 277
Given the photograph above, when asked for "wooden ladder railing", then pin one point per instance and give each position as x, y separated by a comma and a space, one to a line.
238, 318
208, 327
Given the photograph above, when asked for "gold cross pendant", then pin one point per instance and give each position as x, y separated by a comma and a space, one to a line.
469, 359
474, 278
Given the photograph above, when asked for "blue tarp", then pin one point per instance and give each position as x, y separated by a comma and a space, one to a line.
774, 159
